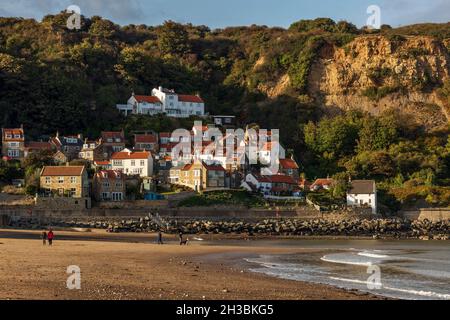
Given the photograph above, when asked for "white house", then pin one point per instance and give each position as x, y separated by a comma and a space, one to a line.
256, 183
164, 101
179, 105
363, 193
149, 105
265, 154
133, 163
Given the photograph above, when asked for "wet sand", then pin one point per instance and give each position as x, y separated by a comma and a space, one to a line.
132, 267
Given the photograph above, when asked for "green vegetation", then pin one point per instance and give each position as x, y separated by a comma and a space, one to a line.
407, 164
224, 198
377, 93
52, 78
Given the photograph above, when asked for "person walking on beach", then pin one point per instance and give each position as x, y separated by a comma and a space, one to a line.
50, 237
160, 241
44, 237
180, 235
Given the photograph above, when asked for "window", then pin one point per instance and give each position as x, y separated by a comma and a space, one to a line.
106, 184
73, 192
117, 162
48, 180
60, 179
13, 144
73, 179
142, 163
13, 153
17, 136
8, 136
133, 163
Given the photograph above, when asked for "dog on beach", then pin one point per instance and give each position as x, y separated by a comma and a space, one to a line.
184, 242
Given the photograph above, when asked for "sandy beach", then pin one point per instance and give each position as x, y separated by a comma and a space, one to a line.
130, 266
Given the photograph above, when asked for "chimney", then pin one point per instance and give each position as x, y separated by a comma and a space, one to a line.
160, 88
57, 133
80, 136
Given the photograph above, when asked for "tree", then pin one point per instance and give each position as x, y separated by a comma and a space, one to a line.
377, 133
173, 39
323, 24
340, 185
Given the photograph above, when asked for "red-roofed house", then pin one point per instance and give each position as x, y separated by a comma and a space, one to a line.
69, 181
109, 185
164, 101
201, 176
13, 143
290, 168
320, 184
147, 142
274, 184
149, 105
133, 162
36, 147
179, 105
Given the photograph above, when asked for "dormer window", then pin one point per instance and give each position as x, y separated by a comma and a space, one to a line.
8, 136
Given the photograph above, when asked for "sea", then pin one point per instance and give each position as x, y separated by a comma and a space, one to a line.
401, 269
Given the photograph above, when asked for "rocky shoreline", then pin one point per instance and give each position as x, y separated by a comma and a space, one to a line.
347, 227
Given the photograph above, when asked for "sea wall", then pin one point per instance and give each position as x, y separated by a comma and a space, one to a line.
432, 214
376, 228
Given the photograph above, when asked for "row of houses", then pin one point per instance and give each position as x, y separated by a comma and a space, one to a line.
148, 156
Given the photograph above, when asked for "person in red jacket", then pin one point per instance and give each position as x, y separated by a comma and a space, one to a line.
50, 236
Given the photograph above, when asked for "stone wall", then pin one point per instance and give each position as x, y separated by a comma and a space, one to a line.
138, 204
62, 203
435, 214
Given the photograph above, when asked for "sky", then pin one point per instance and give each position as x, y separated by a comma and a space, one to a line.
223, 13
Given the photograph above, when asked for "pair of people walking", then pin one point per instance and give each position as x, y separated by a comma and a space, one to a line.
47, 237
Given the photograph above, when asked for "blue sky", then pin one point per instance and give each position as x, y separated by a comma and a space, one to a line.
222, 13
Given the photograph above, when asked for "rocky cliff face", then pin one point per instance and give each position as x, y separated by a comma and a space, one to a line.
373, 73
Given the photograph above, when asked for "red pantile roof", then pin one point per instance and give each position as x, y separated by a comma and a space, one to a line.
322, 182
214, 167
110, 174
113, 134
189, 98
288, 164
124, 155
148, 99
102, 163
63, 171
12, 132
281, 178
165, 134
145, 138
37, 145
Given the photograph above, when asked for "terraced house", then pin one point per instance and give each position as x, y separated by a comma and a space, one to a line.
68, 181
201, 176
13, 143
109, 185
133, 162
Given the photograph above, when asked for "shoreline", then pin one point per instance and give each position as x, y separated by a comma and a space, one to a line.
131, 236
114, 270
